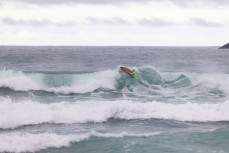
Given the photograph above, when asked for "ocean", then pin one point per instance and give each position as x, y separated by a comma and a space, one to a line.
76, 100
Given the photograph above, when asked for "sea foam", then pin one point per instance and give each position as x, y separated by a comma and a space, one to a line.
27, 142
20, 113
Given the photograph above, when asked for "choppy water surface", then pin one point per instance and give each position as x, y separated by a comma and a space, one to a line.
75, 99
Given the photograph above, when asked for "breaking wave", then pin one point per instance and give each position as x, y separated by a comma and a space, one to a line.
14, 114
68, 83
57, 82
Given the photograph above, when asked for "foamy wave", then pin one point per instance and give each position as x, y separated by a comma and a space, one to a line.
28, 112
58, 83
26, 142
19, 142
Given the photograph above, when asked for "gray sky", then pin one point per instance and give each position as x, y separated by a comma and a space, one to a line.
91, 2
114, 22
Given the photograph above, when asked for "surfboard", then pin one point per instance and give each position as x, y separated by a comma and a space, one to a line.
125, 69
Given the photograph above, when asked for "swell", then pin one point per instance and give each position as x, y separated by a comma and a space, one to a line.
15, 115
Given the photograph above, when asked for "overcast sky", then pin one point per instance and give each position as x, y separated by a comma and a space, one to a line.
114, 22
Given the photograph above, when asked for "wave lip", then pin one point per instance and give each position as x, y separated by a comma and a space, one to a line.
15, 114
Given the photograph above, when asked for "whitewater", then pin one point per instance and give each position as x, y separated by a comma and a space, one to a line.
76, 99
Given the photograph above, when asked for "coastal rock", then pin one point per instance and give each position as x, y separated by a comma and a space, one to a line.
225, 46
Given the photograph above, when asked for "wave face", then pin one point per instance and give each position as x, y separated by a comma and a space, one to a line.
15, 115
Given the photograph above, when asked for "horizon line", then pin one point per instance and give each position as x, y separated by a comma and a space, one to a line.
109, 46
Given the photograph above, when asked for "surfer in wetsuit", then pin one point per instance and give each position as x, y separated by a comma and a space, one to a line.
133, 74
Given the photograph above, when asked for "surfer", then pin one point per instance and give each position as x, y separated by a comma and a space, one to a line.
132, 73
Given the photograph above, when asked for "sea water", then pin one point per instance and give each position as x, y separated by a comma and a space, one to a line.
75, 99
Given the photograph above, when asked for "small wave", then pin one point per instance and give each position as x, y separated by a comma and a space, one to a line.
14, 114
26, 142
